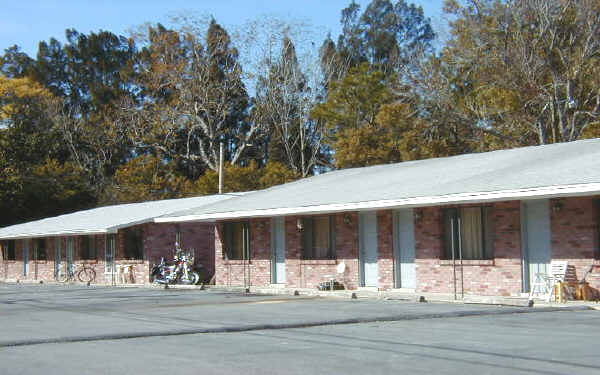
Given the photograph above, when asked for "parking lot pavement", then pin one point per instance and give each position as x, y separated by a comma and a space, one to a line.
549, 343
33, 314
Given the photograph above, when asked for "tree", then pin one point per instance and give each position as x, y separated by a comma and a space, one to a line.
350, 114
92, 74
146, 178
54, 188
385, 35
15, 63
284, 99
194, 99
248, 178
26, 119
531, 66
37, 179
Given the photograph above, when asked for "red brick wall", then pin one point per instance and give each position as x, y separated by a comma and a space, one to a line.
38, 270
385, 239
13, 270
304, 273
299, 273
575, 235
158, 239
256, 271
500, 276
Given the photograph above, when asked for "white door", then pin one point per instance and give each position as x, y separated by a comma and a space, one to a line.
405, 249
69, 257
369, 252
537, 253
58, 267
25, 257
278, 248
109, 254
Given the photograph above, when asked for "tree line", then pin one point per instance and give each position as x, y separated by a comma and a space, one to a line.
105, 118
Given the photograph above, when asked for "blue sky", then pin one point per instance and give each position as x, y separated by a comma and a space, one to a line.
26, 22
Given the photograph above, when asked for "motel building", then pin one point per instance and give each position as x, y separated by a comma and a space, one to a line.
472, 225
119, 243
476, 225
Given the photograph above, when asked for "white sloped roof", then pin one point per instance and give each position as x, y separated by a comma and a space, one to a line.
540, 171
106, 219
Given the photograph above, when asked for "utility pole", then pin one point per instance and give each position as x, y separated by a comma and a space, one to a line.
221, 157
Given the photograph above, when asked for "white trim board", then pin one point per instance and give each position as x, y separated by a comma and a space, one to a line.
478, 197
83, 232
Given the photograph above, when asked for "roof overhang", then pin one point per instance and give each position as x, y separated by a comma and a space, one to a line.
78, 228
478, 197
76, 232
85, 232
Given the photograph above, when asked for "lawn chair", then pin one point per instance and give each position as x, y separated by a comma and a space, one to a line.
545, 284
332, 283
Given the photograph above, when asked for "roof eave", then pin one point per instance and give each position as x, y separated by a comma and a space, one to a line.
479, 197
21, 236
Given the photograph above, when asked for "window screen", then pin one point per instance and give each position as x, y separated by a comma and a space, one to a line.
9, 250
468, 233
88, 248
40, 249
318, 237
237, 240
134, 245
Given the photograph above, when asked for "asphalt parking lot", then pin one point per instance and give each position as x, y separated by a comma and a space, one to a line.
75, 330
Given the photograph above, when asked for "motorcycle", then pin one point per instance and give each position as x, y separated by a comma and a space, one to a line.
179, 272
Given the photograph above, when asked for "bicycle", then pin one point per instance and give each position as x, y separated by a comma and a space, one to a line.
85, 275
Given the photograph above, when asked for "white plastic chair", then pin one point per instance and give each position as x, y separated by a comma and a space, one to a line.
544, 283
340, 269
125, 273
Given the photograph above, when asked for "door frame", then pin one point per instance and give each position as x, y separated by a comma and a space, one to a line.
525, 250
361, 247
58, 258
398, 249
70, 253
274, 246
110, 242
26, 257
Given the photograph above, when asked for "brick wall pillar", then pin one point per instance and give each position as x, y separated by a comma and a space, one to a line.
385, 242
575, 225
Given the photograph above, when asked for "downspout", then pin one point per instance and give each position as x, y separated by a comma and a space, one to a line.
248, 249
462, 281
453, 257
36, 249
525, 278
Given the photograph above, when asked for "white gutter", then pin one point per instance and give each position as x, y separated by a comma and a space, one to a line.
82, 232
479, 197
111, 229
75, 232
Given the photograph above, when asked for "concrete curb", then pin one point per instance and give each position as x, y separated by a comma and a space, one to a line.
261, 327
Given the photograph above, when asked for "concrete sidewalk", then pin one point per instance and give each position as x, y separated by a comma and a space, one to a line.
394, 294
50, 314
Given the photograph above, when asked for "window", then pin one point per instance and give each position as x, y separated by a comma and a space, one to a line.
134, 244
468, 233
8, 250
88, 248
178, 237
40, 249
237, 240
318, 237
